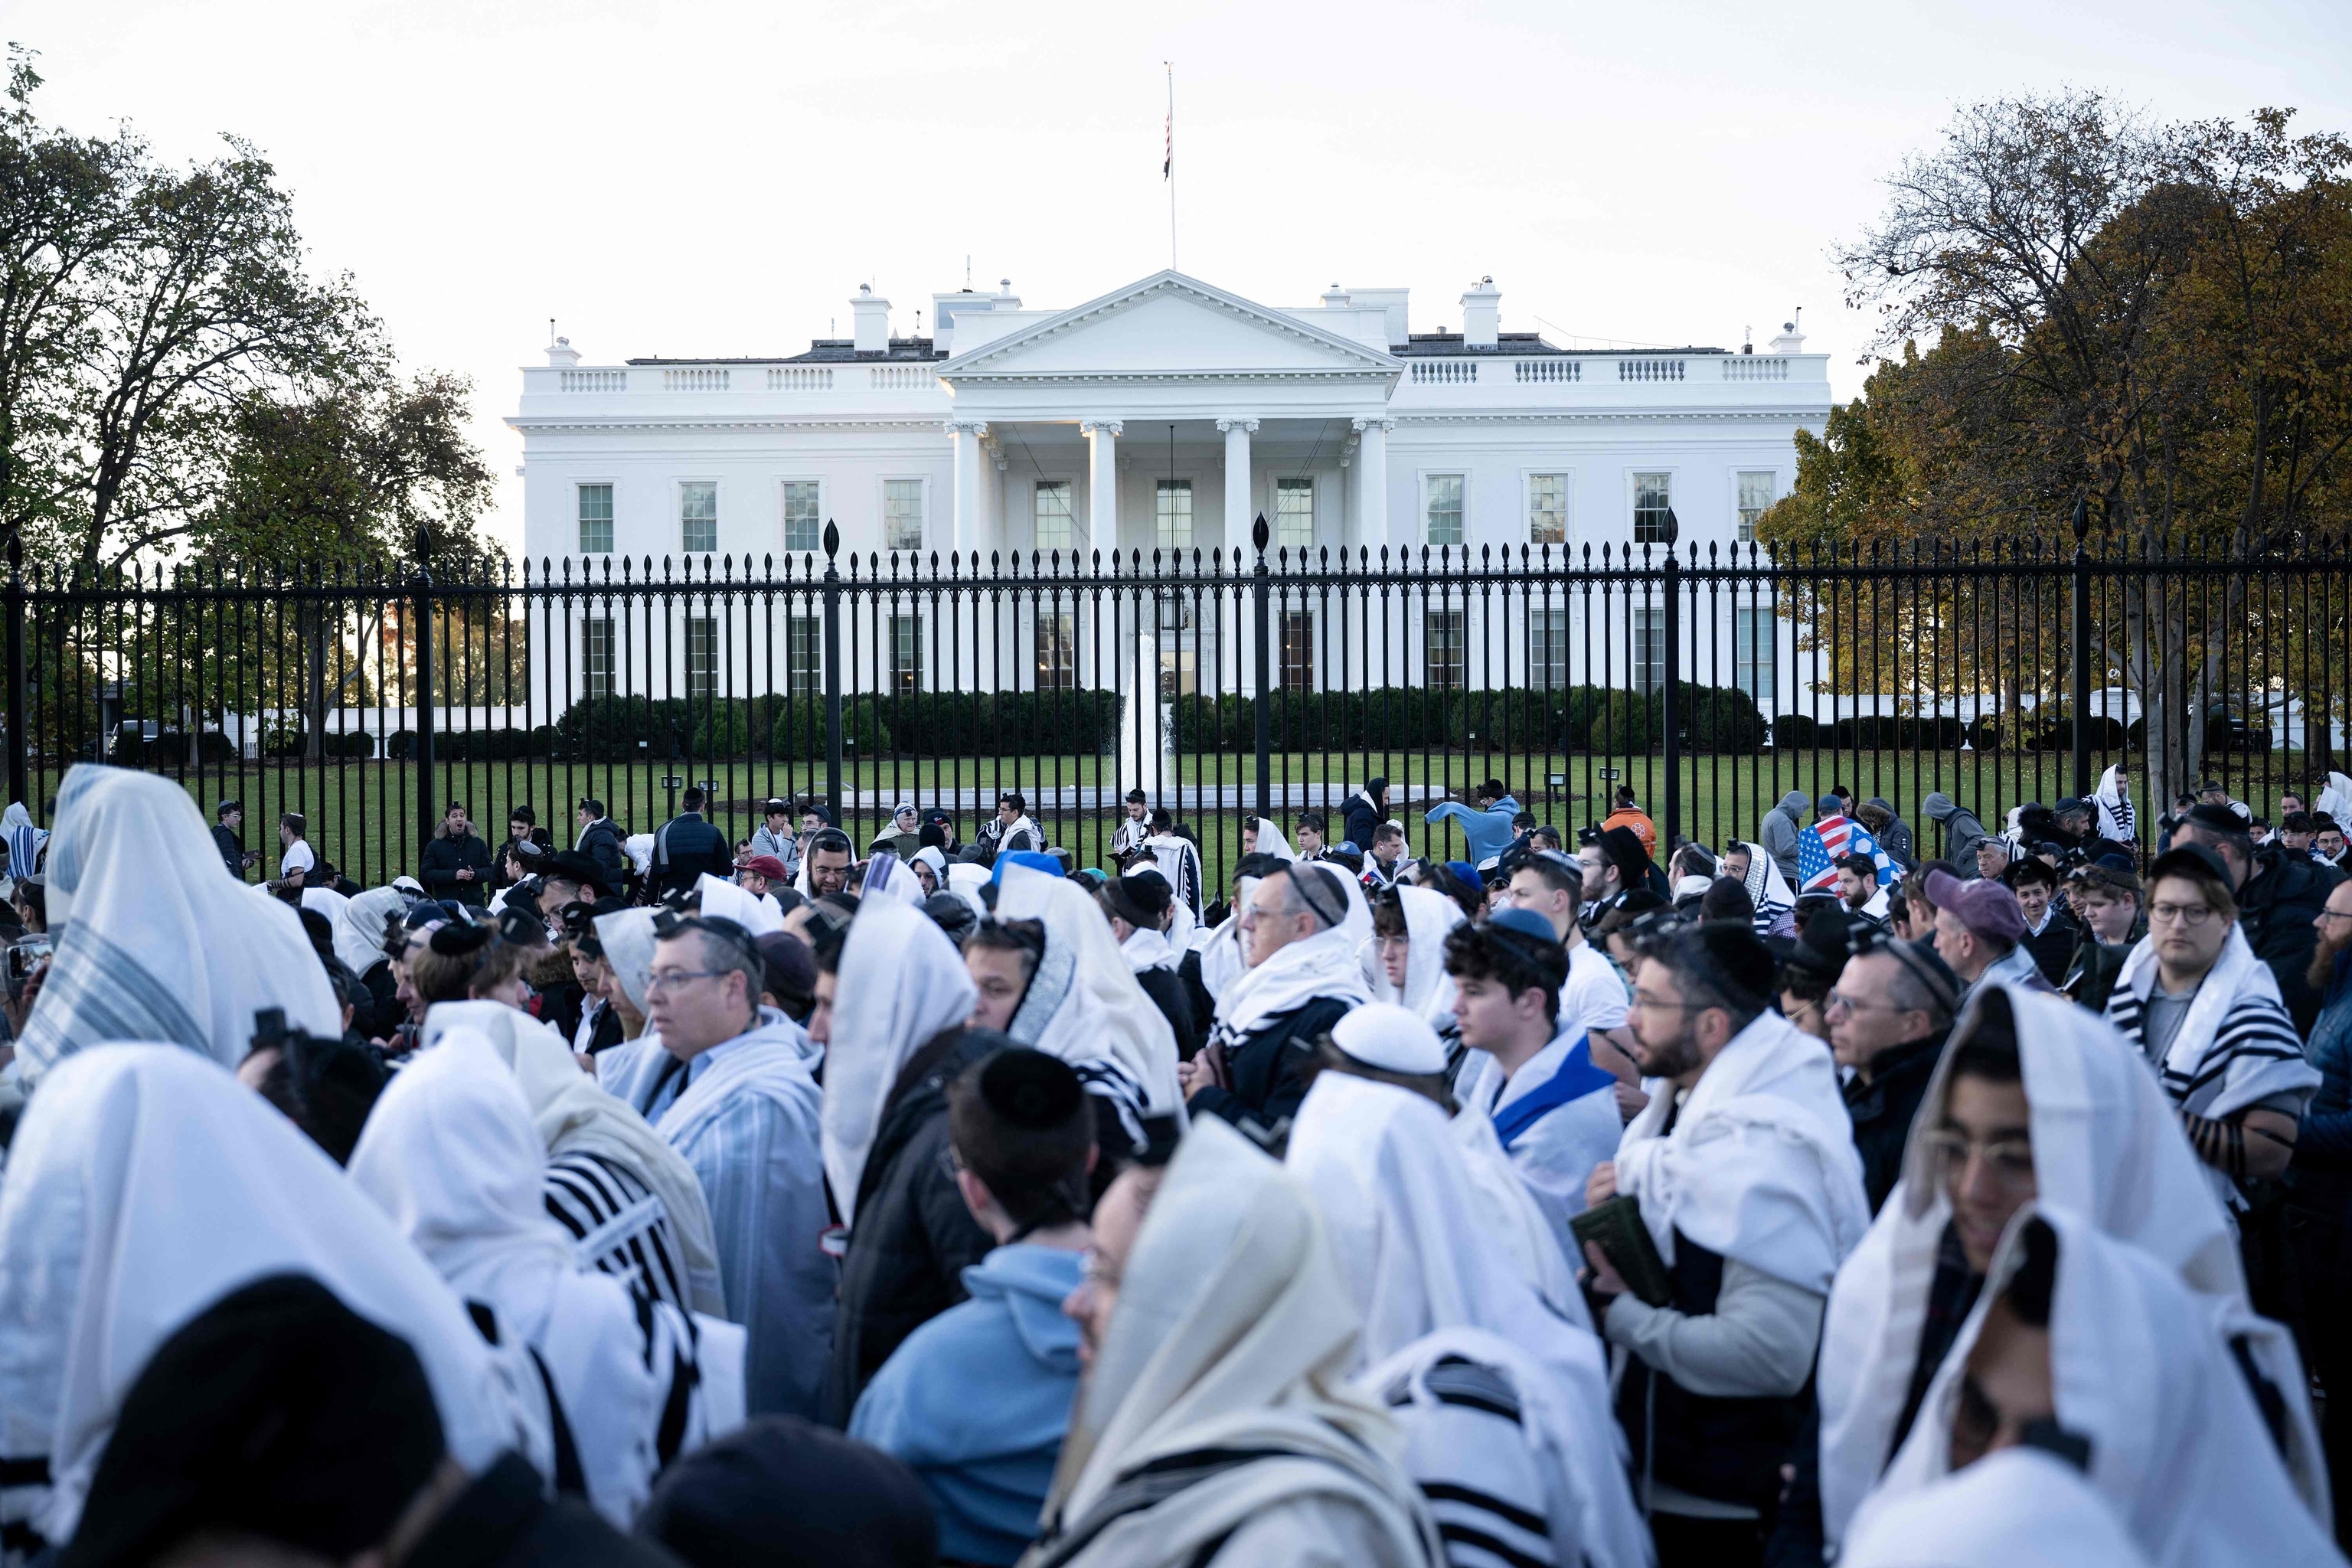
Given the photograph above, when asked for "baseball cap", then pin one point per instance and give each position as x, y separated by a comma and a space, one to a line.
1986, 908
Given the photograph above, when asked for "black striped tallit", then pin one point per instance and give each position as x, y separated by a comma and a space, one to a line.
587, 1193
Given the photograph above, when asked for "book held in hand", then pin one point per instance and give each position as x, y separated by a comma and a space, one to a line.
1615, 1226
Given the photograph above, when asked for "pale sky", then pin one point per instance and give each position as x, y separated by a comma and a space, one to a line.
717, 178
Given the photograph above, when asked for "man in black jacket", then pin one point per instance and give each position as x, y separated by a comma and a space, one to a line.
600, 839
1140, 903
1362, 813
2280, 896
231, 814
686, 847
456, 864
2050, 931
1888, 1016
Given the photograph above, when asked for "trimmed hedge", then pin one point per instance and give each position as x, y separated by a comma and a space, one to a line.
1870, 732
1575, 718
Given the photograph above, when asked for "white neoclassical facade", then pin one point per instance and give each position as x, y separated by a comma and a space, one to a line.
1165, 414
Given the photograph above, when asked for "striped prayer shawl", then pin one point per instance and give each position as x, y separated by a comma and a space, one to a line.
616, 1223
2255, 1029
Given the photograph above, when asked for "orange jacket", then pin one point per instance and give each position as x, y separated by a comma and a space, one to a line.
1644, 828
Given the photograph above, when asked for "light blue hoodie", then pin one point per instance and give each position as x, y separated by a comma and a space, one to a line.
976, 1400
1488, 833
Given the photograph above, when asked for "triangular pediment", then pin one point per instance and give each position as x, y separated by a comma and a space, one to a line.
1169, 324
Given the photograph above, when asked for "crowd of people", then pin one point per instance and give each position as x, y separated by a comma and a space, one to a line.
1595, 1202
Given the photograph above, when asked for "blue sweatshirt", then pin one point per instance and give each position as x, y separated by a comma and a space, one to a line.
1488, 833
976, 1400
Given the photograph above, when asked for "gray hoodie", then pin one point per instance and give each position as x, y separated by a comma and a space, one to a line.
1896, 840
1780, 829
1961, 831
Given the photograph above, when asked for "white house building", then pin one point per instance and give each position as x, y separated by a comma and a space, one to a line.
1164, 416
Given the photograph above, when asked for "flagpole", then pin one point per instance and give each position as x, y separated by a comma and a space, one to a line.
1172, 163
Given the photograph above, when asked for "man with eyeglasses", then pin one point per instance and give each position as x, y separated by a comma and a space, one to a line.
1747, 1123
746, 1116
1887, 1016
2277, 897
2205, 1010
829, 854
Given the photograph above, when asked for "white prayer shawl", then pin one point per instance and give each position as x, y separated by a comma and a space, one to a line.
749, 1124
1401, 1213
2336, 798
2178, 1445
1220, 945
1270, 840
887, 876
2018, 1508
155, 941
1234, 1330
1323, 964
25, 840
901, 983
1761, 1165
1179, 860
360, 924
1102, 1018
724, 901
1554, 1156
1146, 949
965, 880
1692, 888
327, 901
145, 1185
639, 847
2117, 821
932, 855
627, 939
573, 1116
2107, 1146
450, 1155
1429, 918
1526, 1232
1767, 889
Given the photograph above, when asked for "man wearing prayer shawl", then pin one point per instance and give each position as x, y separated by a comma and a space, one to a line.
1744, 1171
451, 1156
2015, 1507
894, 1043
1505, 1404
1554, 1111
1760, 874
747, 1119
145, 1183
1301, 928
1220, 1385
144, 916
1410, 926
2091, 1349
1139, 906
2036, 1102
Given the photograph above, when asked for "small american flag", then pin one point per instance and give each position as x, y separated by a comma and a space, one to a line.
1820, 846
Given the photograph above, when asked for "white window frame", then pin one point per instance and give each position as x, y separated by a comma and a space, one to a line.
1740, 532
1053, 648
1421, 504
803, 677
1294, 675
593, 681
1556, 629
1527, 478
906, 677
1460, 616
702, 677
784, 513
1078, 540
1193, 510
1314, 498
1633, 477
882, 511
1646, 635
611, 523
678, 511
1755, 660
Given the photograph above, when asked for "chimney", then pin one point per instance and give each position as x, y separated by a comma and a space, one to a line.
870, 317
1334, 298
560, 353
1790, 341
1005, 299
1482, 315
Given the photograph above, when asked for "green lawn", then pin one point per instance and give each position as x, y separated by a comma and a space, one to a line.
362, 815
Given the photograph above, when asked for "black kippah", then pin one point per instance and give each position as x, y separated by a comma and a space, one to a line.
1031, 1089
1740, 954
459, 938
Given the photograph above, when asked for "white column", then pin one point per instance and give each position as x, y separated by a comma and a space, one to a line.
1102, 482
1372, 484
1239, 490
966, 433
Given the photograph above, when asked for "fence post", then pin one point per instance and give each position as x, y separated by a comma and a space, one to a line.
420, 586
2082, 650
1265, 704
1670, 717
833, 672
19, 711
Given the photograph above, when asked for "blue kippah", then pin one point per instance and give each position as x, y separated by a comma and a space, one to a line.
1522, 922
1467, 871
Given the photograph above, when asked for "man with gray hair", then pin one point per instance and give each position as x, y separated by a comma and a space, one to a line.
746, 1116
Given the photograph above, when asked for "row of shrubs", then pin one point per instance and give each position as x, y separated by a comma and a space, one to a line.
1580, 717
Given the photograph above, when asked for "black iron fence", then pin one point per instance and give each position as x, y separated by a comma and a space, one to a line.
1709, 682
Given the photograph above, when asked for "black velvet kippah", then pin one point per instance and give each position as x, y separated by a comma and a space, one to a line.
1032, 1090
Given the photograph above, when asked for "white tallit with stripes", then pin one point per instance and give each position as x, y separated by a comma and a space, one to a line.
2117, 821
155, 941
2237, 1045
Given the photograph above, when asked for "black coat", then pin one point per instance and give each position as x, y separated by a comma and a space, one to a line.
2091, 976
1361, 819
232, 853
913, 1237
601, 841
2276, 908
685, 847
443, 858
2053, 950
1203, 1005
1268, 1072
1167, 992
1884, 1108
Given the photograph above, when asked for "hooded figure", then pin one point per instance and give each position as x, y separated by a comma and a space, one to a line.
631, 1201
1084, 1003
2170, 1437
1229, 1346
1896, 838
154, 941
2116, 820
725, 900
1428, 994
450, 1155
1362, 814
639, 1071
1962, 831
1779, 833
1769, 891
359, 926
1441, 1300
2019, 1507
143, 1185
1179, 860
25, 840
2106, 1147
